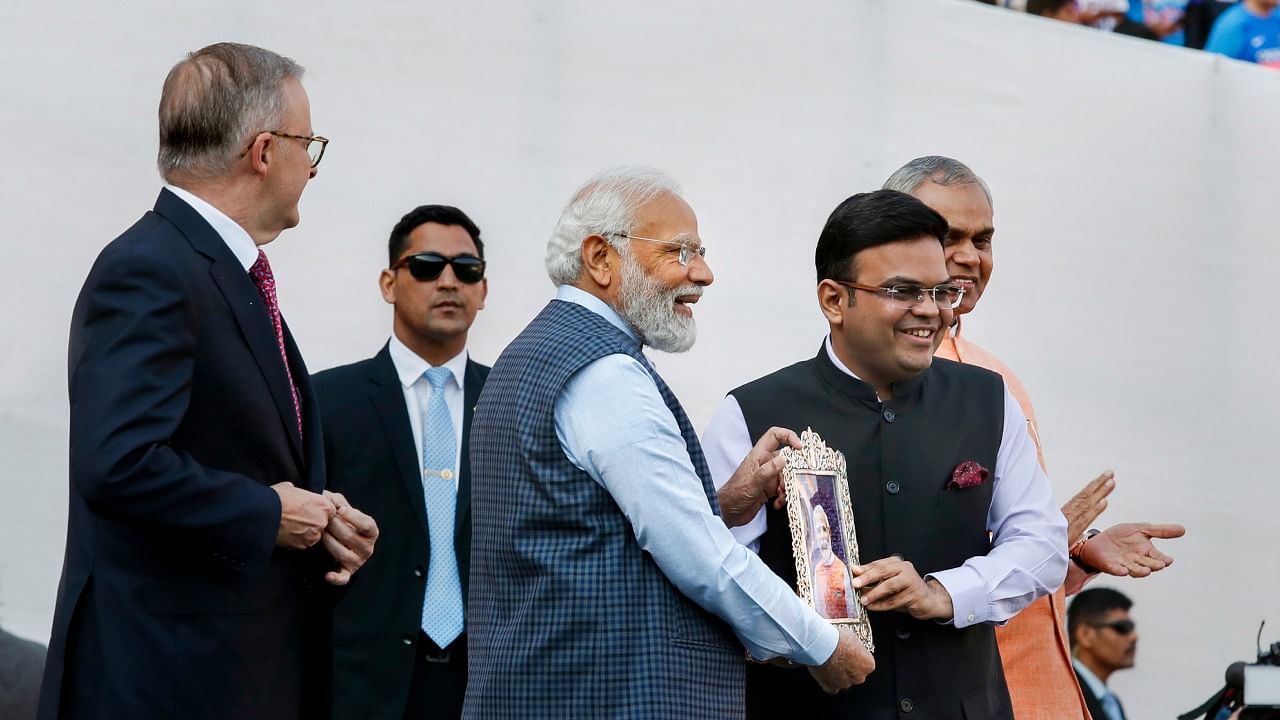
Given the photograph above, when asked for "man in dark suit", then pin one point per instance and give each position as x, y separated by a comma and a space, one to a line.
395, 432
193, 583
1103, 639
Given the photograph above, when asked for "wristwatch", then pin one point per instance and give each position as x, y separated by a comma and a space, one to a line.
1078, 547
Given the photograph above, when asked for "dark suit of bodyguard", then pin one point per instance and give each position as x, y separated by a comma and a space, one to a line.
369, 449
380, 423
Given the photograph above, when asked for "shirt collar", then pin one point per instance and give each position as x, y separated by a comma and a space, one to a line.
1096, 686
578, 296
235, 236
410, 365
831, 353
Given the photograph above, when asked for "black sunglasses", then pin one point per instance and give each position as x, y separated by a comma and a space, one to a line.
428, 266
1123, 627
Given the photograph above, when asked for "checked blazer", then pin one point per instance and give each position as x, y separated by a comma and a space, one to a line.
568, 617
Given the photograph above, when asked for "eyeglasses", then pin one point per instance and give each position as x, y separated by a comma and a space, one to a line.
1122, 627
906, 297
428, 266
315, 144
687, 249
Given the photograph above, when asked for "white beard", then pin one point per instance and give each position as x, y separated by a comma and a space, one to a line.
650, 308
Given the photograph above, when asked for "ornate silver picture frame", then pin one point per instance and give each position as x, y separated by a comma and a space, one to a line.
823, 540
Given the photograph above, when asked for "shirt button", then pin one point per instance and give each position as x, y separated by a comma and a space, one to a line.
906, 705
417, 572
888, 415
407, 639
902, 633
972, 617
893, 487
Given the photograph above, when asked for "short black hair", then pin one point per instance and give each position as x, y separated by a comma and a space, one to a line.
440, 214
1091, 606
870, 219
1044, 7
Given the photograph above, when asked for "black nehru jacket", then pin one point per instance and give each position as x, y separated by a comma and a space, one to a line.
901, 455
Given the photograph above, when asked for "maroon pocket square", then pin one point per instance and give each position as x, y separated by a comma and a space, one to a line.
966, 475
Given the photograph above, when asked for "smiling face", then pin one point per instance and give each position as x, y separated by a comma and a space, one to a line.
657, 292
971, 227
882, 344
432, 317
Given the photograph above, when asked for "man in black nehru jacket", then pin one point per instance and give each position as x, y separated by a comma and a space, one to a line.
955, 520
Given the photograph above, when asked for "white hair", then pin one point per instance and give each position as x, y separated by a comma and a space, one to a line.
606, 205
939, 170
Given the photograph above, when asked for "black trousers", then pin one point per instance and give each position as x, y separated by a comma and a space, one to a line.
439, 680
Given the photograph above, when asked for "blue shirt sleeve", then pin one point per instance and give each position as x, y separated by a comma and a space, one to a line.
640, 458
1226, 37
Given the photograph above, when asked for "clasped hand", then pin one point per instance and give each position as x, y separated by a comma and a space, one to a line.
307, 518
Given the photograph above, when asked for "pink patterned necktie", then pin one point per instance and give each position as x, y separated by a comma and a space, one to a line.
260, 271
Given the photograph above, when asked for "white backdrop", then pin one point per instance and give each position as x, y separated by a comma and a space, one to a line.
1132, 182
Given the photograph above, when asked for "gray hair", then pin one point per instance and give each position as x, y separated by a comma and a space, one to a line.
214, 101
938, 170
606, 205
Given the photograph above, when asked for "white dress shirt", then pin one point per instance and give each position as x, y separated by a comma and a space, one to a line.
1027, 558
417, 393
231, 232
613, 424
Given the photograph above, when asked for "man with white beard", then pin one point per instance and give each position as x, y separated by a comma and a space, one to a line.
604, 581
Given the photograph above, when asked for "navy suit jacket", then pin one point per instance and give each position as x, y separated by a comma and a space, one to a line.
174, 600
371, 459
1093, 702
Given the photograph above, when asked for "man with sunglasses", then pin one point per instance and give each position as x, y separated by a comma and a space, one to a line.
200, 539
604, 582
937, 453
396, 430
1104, 639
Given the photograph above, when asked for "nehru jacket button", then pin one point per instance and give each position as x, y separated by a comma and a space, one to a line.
893, 487
888, 415
902, 633
906, 705
407, 639
417, 572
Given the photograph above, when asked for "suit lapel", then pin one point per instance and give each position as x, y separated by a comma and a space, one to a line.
246, 304
312, 444
388, 398
472, 383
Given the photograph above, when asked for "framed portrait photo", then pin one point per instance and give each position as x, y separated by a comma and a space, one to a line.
823, 540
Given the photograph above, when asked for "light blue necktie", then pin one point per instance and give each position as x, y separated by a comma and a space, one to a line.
442, 606
1111, 706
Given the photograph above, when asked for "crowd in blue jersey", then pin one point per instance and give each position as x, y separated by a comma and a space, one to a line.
1247, 30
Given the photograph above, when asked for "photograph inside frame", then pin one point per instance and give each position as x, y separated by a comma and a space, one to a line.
823, 540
